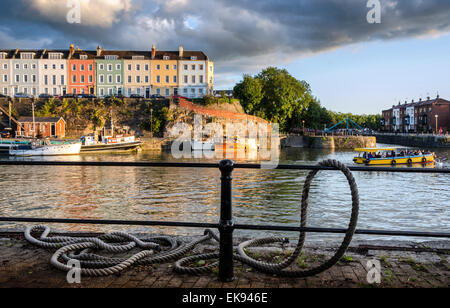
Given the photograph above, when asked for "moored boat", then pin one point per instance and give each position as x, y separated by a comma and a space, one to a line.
40, 148
121, 143
391, 156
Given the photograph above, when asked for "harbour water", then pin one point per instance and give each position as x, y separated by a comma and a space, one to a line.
418, 202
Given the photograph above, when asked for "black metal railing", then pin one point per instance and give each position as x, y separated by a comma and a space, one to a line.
226, 224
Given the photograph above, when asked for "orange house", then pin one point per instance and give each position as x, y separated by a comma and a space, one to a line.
45, 127
81, 73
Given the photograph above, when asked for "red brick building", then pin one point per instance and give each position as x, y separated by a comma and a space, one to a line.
429, 116
45, 127
386, 120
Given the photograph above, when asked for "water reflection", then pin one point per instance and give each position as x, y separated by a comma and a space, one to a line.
388, 200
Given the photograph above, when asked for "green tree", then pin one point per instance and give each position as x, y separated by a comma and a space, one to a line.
249, 92
274, 95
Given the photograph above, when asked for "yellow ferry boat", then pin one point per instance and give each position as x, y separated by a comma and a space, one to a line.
390, 156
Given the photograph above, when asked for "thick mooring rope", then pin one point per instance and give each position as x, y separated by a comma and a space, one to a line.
163, 249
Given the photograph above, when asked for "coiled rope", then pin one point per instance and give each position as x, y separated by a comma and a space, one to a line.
162, 249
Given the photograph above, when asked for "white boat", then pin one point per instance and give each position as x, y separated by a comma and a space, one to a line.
45, 149
202, 146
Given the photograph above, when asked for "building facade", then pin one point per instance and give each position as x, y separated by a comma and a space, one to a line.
81, 72
5, 73
109, 72
53, 72
104, 73
25, 72
429, 116
44, 127
137, 74
164, 72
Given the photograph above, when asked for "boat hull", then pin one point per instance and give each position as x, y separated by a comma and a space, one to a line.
114, 147
48, 150
407, 160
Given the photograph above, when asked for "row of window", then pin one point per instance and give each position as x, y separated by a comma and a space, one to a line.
82, 79
110, 78
109, 67
53, 77
82, 67
192, 92
62, 66
138, 67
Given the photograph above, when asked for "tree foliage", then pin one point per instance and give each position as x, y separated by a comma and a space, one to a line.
278, 97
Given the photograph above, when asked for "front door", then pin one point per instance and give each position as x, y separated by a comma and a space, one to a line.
147, 93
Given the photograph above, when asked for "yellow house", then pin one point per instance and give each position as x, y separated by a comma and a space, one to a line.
164, 72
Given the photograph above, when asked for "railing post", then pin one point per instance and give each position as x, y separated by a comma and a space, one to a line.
226, 224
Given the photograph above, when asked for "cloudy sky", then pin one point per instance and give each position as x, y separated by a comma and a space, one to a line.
351, 65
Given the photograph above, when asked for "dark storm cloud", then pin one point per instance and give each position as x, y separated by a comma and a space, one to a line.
238, 34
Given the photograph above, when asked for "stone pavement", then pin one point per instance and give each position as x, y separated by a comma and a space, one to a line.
23, 265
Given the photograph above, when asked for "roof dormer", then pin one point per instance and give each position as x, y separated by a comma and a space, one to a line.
55, 55
27, 55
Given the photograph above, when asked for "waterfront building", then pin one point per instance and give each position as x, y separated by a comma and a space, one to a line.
5, 72
25, 72
81, 72
104, 73
137, 73
109, 72
164, 72
193, 71
429, 116
46, 127
53, 72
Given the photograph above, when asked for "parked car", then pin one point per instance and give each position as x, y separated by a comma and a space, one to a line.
23, 95
88, 96
69, 96
136, 96
4, 96
156, 96
46, 96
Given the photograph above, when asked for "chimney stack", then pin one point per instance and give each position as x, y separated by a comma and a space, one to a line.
180, 51
437, 96
99, 51
153, 51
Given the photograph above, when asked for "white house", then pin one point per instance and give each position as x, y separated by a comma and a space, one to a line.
193, 73
25, 72
396, 119
53, 72
5, 73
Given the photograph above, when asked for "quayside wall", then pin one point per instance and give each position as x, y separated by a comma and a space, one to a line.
421, 141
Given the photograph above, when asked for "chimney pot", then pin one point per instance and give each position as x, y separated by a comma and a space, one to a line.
153, 51
99, 51
180, 51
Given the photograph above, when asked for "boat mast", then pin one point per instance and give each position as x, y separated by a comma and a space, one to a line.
112, 123
9, 114
34, 123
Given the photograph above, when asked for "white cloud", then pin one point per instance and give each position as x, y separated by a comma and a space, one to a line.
102, 13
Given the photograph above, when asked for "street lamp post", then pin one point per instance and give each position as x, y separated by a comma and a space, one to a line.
436, 116
303, 127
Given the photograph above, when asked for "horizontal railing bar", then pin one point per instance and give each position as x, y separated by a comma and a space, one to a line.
216, 226
216, 166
